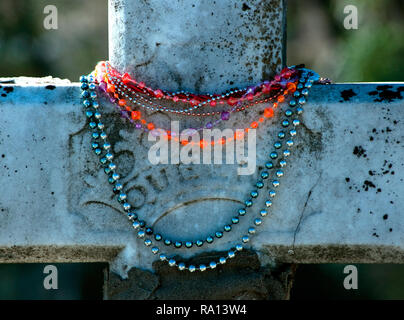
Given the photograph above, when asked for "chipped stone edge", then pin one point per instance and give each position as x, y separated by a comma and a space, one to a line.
268, 254
58, 254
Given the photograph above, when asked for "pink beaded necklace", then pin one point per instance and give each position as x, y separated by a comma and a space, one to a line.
129, 96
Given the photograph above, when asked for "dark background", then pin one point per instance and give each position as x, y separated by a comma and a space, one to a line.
316, 37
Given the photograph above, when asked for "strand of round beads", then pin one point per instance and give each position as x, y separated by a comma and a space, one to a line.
254, 194
139, 224
106, 74
136, 115
258, 220
141, 123
120, 86
132, 116
95, 116
114, 86
123, 93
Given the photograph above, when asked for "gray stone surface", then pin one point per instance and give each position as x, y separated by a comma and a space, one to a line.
244, 278
340, 200
198, 45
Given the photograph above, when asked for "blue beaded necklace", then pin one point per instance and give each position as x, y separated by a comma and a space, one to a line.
275, 166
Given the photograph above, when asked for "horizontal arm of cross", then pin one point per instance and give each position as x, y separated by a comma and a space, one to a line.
340, 201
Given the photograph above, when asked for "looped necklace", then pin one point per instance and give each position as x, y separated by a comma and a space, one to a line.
301, 81
129, 96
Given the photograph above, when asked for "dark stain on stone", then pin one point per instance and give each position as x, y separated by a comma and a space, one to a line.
347, 94
385, 217
245, 7
347, 179
50, 87
359, 152
313, 139
368, 184
385, 94
8, 89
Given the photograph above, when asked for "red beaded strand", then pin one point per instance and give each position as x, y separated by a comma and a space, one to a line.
233, 99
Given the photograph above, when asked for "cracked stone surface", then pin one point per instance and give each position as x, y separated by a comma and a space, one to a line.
340, 199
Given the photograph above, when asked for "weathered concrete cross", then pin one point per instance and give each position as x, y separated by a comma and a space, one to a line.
340, 200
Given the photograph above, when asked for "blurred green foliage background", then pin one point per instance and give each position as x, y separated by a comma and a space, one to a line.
316, 37
373, 52
28, 49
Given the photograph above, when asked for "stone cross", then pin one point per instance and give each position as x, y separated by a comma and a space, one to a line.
340, 199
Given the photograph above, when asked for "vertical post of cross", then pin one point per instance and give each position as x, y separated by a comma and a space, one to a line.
199, 46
